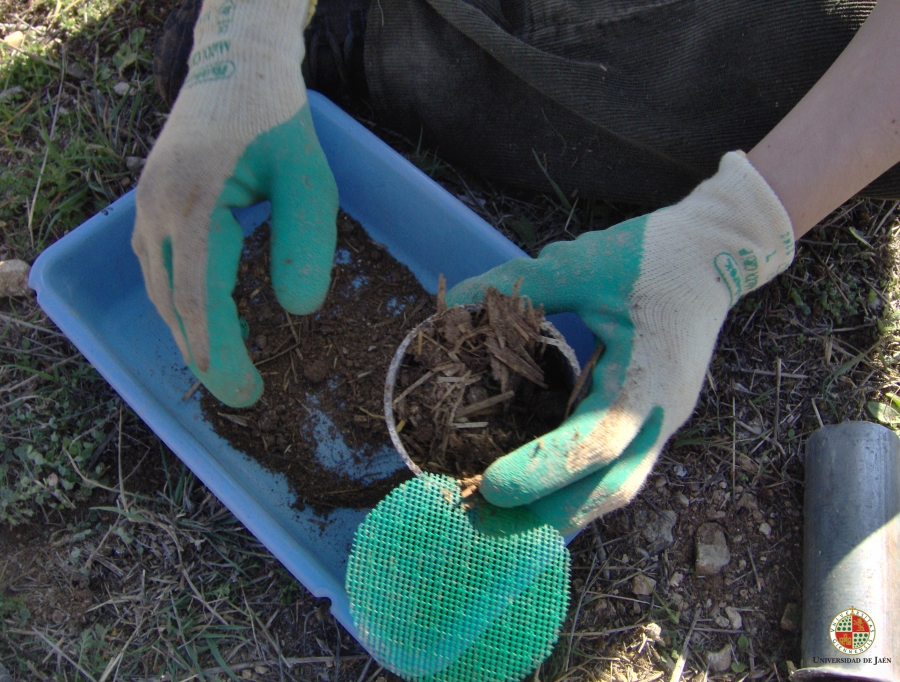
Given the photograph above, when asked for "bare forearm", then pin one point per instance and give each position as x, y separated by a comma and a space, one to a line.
845, 132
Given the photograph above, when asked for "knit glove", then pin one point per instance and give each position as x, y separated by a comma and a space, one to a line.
240, 132
655, 291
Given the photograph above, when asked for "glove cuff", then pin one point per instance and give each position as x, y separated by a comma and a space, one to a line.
244, 69
756, 239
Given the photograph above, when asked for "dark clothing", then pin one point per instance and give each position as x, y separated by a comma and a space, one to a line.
628, 100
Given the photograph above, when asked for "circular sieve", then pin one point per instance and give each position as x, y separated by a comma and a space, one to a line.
449, 590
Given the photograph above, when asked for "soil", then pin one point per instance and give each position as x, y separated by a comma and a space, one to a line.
652, 543
478, 382
324, 373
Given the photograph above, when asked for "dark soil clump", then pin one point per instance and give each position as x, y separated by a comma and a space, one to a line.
324, 373
476, 383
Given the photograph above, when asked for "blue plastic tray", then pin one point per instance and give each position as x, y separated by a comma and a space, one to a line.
90, 285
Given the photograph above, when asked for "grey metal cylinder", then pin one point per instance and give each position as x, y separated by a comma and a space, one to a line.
851, 554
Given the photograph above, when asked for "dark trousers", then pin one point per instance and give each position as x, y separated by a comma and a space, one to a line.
626, 100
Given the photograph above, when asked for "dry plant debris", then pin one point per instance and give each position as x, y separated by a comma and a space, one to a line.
477, 382
160, 587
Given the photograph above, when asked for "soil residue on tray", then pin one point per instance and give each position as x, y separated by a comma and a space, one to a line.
476, 383
320, 420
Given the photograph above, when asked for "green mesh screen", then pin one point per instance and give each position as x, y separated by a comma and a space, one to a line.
446, 590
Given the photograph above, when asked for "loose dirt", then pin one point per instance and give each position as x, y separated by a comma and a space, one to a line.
320, 420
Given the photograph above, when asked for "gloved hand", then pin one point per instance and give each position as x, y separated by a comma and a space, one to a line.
240, 132
655, 290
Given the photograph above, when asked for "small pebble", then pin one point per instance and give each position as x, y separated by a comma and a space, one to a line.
719, 661
765, 529
14, 278
712, 553
748, 501
657, 529
15, 39
735, 617
642, 585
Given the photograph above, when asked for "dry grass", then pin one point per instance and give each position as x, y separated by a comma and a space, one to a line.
131, 569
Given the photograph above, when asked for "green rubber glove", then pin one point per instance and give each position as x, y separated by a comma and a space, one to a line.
240, 132
655, 291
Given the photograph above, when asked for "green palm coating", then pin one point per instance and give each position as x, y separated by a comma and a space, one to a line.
568, 508
593, 277
287, 166
441, 591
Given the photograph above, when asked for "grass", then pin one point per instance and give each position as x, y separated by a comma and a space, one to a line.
122, 566
67, 135
168, 587
70, 145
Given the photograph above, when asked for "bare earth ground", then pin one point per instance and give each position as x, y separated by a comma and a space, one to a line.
139, 573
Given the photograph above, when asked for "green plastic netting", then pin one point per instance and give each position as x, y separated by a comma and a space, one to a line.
444, 590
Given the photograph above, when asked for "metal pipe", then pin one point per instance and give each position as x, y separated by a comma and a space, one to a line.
851, 555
